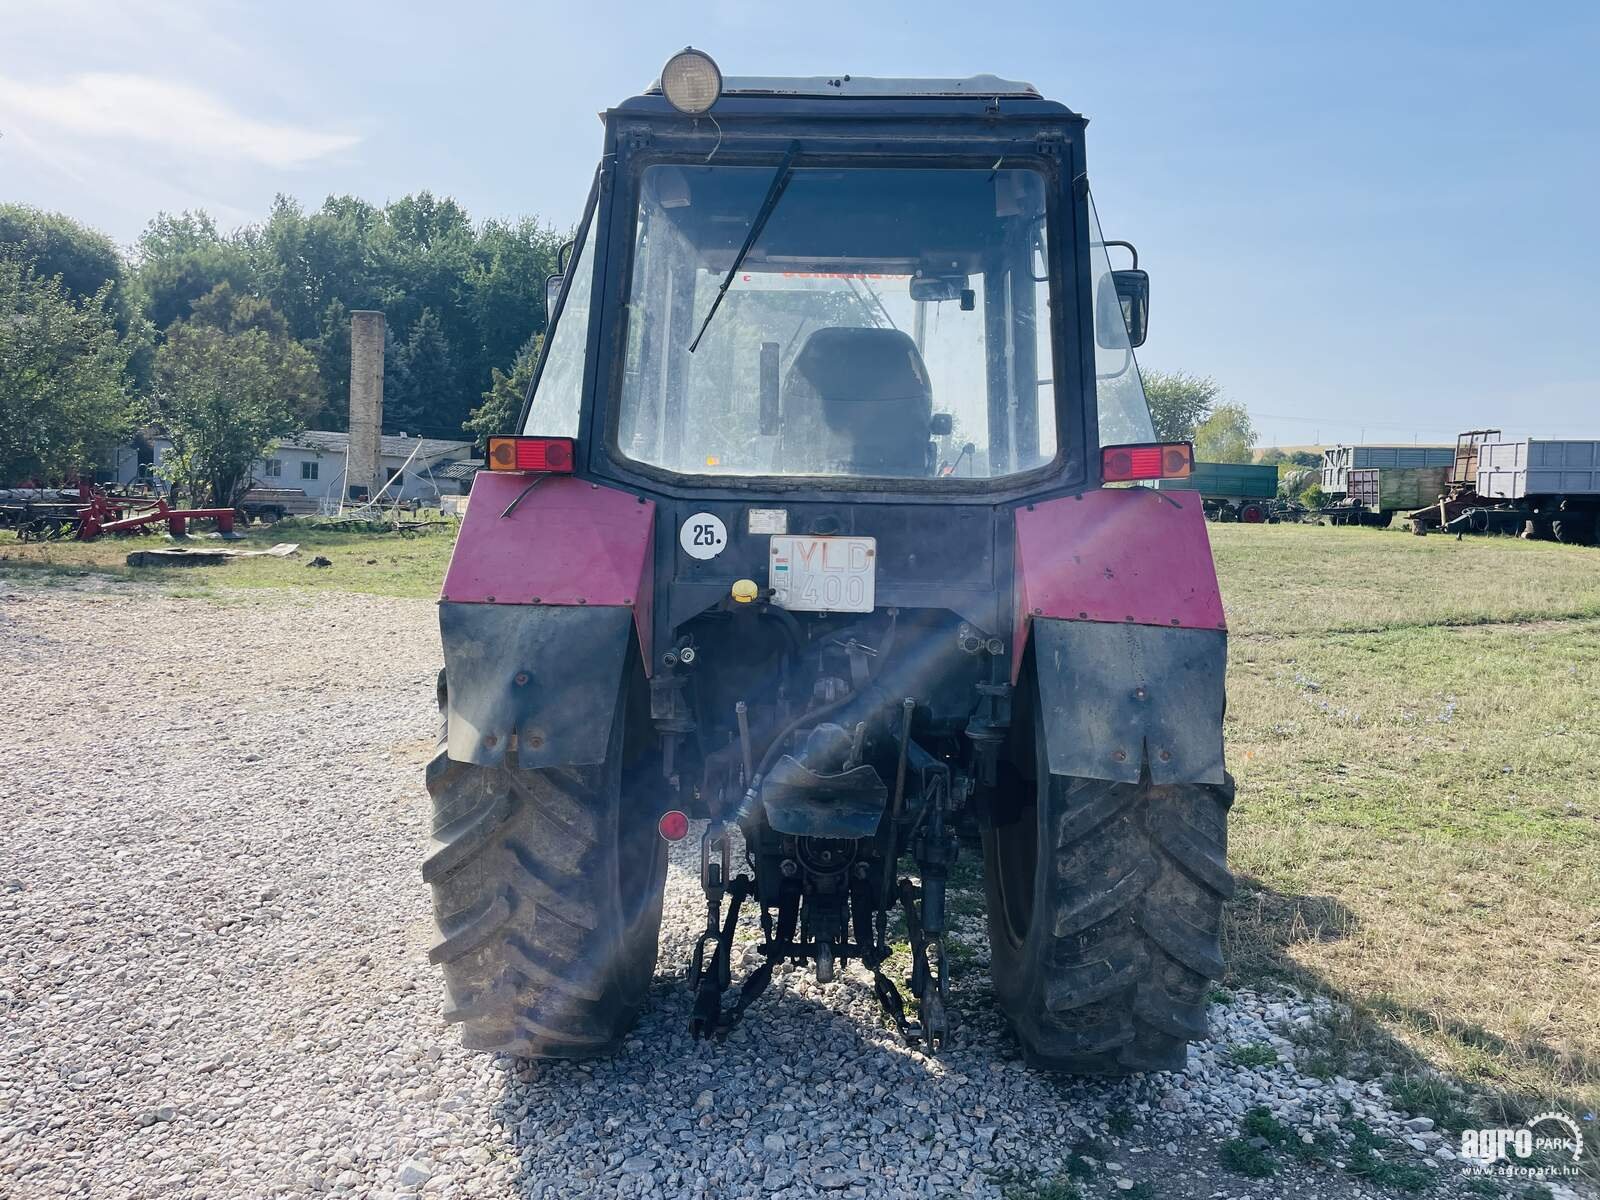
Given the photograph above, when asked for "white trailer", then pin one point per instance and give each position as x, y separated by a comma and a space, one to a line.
1554, 483
1337, 461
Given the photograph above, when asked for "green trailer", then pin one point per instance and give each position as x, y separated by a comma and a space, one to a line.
1388, 490
1232, 491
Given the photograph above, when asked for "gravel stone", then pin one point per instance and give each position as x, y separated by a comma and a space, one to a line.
413, 1174
217, 915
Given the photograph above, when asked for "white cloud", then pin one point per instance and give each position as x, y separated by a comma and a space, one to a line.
172, 116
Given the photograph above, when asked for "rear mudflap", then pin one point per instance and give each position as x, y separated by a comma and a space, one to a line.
547, 675
1120, 698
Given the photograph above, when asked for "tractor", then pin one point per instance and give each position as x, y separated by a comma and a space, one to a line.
824, 524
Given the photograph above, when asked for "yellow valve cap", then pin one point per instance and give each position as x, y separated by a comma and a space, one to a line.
745, 590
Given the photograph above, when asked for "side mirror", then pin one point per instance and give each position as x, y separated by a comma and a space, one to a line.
941, 424
552, 283
771, 417
1133, 294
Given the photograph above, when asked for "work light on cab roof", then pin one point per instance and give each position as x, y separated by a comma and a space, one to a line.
691, 81
815, 549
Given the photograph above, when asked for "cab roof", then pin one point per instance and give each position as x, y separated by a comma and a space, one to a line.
856, 86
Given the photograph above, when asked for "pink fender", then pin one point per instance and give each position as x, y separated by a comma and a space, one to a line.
565, 542
1124, 555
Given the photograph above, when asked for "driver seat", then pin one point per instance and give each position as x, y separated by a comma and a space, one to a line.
857, 401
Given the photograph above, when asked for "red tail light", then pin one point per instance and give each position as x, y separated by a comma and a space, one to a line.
531, 454
1160, 460
674, 825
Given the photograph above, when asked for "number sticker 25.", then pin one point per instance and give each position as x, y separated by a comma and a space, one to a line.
703, 536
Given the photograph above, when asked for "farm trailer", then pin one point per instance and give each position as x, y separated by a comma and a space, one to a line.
1552, 487
1232, 491
1383, 491
1339, 461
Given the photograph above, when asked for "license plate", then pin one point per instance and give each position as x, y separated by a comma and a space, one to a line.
823, 574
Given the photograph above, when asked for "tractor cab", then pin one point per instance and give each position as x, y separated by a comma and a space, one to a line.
861, 284
805, 532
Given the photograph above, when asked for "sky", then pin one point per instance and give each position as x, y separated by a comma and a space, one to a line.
1366, 221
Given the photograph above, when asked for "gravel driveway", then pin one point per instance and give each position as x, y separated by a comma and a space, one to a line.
214, 977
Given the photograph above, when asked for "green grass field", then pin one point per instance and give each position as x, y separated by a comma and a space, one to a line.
1414, 724
1414, 727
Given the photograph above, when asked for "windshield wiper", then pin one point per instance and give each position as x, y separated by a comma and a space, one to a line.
774, 191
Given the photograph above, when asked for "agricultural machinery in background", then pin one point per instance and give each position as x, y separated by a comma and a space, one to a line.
1246, 492
806, 535
84, 512
1538, 487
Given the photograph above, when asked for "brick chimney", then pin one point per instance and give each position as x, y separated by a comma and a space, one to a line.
366, 404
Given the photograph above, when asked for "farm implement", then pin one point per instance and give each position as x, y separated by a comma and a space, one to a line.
86, 512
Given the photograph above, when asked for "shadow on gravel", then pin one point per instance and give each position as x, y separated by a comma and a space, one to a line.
1263, 926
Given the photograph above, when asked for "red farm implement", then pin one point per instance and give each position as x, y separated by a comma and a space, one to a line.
95, 511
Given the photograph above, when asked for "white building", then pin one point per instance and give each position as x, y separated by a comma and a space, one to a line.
314, 463
132, 459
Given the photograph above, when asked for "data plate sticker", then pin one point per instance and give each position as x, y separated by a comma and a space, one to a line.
823, 574
703, 535
769, 520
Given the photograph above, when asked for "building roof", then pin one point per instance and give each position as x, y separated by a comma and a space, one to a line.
328, 442
463, 469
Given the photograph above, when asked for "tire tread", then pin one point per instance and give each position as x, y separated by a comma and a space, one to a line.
1115, 980
528, 935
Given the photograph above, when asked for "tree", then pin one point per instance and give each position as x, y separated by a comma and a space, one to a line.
1179, 401
85, 259
423, 396
63, 394
1293, 480
1225, 436
229, 383
181, 259
476, 292
502, 403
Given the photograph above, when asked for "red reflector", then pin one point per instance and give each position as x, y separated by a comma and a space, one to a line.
674, 825
530, 454
1171, 460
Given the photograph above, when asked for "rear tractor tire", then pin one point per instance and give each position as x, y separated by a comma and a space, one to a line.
1105, 918
547, 889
